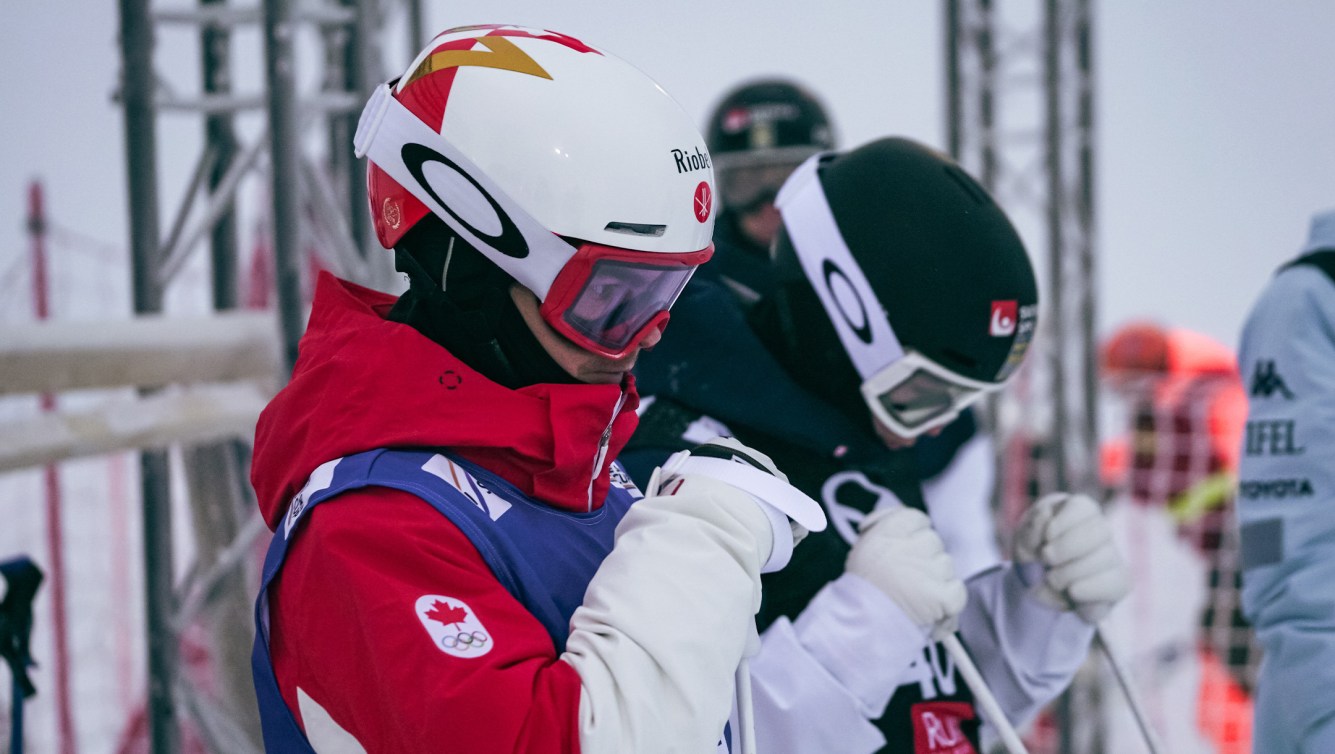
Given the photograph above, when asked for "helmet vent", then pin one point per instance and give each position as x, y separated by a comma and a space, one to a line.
636, 229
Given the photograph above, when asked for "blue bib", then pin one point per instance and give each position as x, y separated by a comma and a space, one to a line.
543, 556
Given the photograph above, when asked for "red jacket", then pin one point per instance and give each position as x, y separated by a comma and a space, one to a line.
343, 624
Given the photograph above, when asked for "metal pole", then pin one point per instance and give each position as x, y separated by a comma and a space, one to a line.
954, 110
280, 62
987, 110
1084, 39
1123, 677
220, 135
360, 78
55, 530
416, 30
1056, 199
136, 38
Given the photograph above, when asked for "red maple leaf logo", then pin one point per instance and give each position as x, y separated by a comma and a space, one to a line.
443, 613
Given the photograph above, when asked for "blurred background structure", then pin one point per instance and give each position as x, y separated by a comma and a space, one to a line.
132, 367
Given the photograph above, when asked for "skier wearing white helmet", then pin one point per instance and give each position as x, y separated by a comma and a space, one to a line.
457, 564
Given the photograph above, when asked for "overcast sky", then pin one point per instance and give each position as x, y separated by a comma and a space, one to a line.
1216, 120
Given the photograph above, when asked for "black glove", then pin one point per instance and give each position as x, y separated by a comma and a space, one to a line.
22, 578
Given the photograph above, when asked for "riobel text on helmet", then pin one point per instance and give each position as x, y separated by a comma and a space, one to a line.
688, 161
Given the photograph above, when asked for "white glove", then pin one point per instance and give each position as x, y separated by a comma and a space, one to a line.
1069, 537
901, 554
791, 512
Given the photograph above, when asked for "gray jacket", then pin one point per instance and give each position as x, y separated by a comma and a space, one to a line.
1286, 501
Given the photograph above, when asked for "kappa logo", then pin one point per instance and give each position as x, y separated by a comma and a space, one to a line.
453, 626
1266, 381
1005, 314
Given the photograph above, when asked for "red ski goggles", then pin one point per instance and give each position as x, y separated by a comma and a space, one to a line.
606, 299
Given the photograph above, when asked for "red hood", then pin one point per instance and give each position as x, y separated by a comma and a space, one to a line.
362, 382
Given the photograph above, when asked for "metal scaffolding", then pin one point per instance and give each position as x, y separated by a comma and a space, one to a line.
1020, 115
302, 159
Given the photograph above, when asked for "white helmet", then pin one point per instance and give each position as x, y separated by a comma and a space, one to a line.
537, 149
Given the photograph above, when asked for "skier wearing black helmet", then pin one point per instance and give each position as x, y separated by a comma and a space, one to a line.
758, 133
900, 296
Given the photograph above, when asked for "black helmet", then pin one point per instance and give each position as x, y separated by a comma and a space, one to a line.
899, 275
759, 130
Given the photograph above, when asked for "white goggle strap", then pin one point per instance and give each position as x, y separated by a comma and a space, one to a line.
850, 303
458, 192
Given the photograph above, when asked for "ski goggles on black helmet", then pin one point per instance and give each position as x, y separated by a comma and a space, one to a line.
914, 394
905, 390
605, 299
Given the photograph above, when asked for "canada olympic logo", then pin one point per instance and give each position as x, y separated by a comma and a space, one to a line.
453, 626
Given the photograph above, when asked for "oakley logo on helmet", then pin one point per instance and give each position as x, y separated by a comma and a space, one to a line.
1004, 315
510, 241
688, 162
846, 299
704, 201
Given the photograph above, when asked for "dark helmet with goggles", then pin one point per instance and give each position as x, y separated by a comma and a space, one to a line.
903, 283
758, 133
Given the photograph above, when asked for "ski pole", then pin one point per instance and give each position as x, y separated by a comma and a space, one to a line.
1124, 680
746, 727
983, 694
